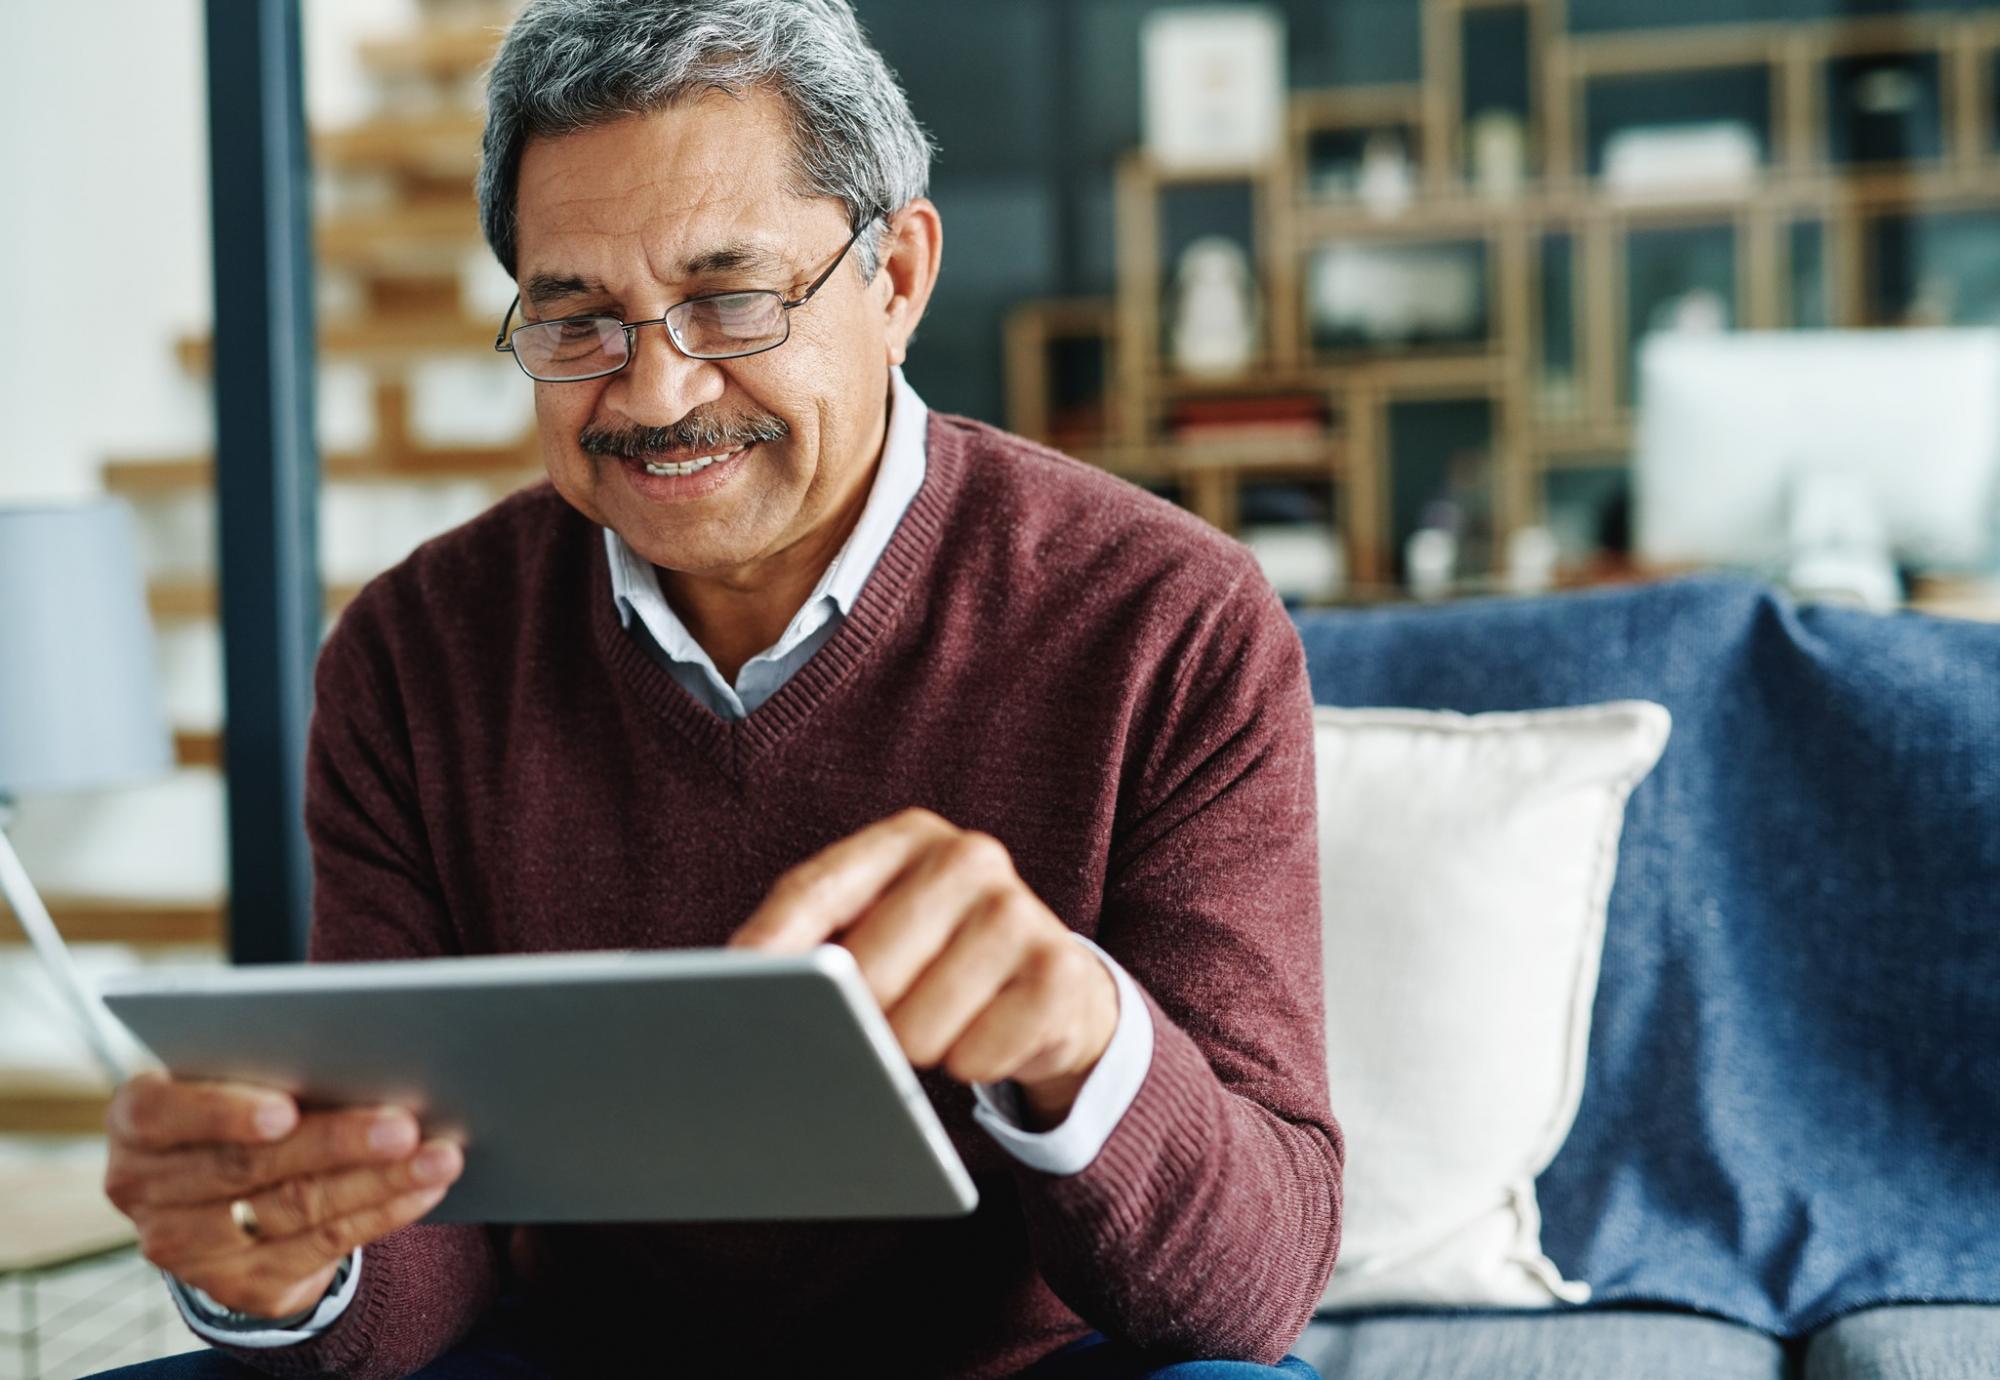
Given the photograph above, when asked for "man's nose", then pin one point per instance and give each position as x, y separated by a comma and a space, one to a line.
661, 385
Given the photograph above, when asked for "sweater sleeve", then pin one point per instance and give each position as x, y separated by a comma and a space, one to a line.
376, 896
1207, 1225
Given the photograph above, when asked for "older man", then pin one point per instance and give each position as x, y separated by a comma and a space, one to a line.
775, 657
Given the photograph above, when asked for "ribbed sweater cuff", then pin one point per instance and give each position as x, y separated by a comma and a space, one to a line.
1163, 1140
342, 1350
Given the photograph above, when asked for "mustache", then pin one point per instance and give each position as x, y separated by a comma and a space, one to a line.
704, 434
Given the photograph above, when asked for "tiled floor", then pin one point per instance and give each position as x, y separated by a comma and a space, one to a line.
105, 1309
75, 1321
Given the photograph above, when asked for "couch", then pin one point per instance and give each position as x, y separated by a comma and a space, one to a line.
1787, 1158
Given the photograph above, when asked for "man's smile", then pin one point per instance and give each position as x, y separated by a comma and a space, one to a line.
693, 466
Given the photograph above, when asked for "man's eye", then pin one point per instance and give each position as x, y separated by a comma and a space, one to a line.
578, 331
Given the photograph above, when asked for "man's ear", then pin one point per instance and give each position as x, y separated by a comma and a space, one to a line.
912, 248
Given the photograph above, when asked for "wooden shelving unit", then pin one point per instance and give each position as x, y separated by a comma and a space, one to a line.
1563, 207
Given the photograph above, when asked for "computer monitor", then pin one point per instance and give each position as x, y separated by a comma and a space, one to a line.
1737, 430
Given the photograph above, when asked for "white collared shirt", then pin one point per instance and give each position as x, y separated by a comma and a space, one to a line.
635, 584
1106, 1094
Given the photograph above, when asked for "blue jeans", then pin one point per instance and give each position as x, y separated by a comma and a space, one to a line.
494, 1358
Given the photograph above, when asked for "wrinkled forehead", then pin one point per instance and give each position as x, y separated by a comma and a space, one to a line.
655, 200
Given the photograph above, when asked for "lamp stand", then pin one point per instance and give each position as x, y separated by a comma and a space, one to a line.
33, 916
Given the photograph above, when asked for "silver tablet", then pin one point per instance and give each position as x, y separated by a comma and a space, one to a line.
672, 1085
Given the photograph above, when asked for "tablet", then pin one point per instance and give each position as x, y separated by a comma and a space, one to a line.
655, 1085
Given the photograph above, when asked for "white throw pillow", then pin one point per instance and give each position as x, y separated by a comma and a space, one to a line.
1466, 863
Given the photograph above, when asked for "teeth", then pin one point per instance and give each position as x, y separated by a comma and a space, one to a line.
681, 467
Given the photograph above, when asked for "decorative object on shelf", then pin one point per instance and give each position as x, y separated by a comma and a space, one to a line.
1265, 416
1215, 309
1715, 155
1382, 294
1334, 160
1532, 556
1387, 183
1840, 545
1430, 560
1699, 310
1305, 562
1214, 86
80, 703
1558, 395
1884, 109
1498, 141
1934, 303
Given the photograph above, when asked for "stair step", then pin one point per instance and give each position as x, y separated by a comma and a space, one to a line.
501, 464
441, 145
458, 50
116, 920
198, 747
190, 599
401, 342
38, 1103
399, 238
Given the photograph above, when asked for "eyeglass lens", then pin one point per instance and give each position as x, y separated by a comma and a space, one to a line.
736, 323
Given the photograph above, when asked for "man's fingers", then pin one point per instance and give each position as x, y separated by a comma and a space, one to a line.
155, 1112
204, 1230
823, 894
298, 1255
977, 962
1016, 1033
201, 1174
276, 1278
910, 923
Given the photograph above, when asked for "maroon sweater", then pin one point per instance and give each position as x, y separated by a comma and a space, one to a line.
1044, 653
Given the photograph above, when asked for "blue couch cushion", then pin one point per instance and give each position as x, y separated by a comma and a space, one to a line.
1587, 1346
1919, 1342
1793, 1089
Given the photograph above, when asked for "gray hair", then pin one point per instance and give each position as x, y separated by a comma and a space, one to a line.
569, 65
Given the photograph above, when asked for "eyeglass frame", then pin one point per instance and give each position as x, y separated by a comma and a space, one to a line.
503, 342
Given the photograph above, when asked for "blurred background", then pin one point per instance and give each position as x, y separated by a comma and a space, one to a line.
1422, 299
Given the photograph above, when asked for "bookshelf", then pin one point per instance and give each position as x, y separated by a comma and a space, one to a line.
1877, 151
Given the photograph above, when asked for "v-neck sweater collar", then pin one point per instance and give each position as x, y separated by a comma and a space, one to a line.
905, 565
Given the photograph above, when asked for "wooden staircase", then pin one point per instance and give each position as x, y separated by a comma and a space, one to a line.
401, 260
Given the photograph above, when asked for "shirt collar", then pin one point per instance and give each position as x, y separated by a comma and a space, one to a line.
635, 583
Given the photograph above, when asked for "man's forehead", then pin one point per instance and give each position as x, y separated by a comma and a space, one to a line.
695, 189
540, 284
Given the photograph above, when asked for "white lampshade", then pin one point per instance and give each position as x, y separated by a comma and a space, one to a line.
80, 703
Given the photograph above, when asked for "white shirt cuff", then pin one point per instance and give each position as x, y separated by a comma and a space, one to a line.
1100, 1104
208, 1318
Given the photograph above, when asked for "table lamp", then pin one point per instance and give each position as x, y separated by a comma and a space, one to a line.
80, 703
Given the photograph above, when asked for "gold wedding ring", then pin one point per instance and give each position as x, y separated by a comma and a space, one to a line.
245, 1218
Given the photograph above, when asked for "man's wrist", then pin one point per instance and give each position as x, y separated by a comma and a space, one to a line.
1046, 1102
221, 1318
1100, 1105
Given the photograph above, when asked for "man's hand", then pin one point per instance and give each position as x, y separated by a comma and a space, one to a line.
973, 971
320, 1184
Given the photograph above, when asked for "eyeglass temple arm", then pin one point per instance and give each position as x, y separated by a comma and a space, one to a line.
500, 340
838, 260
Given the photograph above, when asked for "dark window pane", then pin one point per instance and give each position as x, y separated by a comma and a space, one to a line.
1441, 475
1683, 278
1884, 109
1809, 300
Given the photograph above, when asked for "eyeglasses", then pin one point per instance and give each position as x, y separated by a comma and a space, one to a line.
718, 325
